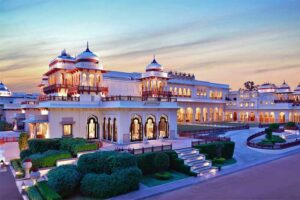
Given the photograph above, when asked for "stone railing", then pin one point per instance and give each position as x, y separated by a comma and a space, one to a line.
138, 98
142, 150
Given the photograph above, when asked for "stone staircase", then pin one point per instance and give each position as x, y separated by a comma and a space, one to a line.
197, 161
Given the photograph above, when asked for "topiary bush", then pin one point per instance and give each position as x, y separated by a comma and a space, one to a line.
67, 144
290, 125
161, 162
274, 126
105, 186
64, 179
95, 162
33, 193
210, 150
23, 141
146, 162
269, 133
228, 150
25, 153
120, 161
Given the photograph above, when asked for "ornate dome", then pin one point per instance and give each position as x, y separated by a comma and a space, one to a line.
63, 61
3, 87
297, 89
267, 87
154, 66
87, 56
284, 88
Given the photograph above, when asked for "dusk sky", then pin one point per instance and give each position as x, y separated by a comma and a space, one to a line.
219, 41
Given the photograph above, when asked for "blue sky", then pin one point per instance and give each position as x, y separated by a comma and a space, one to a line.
219, 41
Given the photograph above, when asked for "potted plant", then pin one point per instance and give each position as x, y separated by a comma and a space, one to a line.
27, 164
35, 174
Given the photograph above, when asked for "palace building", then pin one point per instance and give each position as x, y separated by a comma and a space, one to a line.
80, 98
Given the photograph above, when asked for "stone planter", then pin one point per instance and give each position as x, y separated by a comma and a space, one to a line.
35, 175
26, 166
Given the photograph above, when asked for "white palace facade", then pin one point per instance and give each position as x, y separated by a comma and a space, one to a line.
82, 99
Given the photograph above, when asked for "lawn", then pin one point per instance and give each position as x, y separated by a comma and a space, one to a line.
150, 181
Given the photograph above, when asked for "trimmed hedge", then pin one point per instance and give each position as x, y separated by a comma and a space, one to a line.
64, 179
146, 163
120, 161
25, 153
211, 149
42, 145
83, 147
33, 193
23, 141
163, 175
48, 158
161, 162
17, 165
4, 126
106, 186
47, 192
95, 162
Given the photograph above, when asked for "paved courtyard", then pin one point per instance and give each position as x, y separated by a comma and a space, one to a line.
278, 179
8, 188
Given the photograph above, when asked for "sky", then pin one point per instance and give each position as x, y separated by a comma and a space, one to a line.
229, 42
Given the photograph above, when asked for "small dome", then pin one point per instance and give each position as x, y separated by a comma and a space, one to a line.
284, 88
64, 60
3, 87
297, 89
154, 66
87, 56
267, 87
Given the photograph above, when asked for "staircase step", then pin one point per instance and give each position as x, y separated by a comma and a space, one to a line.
201, 163
209, 170
200, 168
185, 150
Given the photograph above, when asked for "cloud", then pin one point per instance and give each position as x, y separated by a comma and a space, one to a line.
278, 68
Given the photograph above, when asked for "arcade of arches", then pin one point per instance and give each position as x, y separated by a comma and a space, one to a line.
200, 114
150, 129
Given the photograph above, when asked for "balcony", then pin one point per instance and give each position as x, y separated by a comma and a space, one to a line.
81, 89
58, 98
29, 103
139, 98
156, 94
55, 88
284, 101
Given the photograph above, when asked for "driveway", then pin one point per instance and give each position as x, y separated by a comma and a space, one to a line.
8, 188
278, 179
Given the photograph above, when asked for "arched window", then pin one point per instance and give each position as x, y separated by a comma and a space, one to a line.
150, 128
92, 127
104, 128
115, 131
98, 80
180, 92
136, 130
83, 81
189, 92
184, 92
109, 131
163, 127
91, 80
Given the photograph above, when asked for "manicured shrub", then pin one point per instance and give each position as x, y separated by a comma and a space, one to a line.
95, 162
4, 126
33, 193
120, 161
42, 145
23, 141
161, 162
146, 163
64, 179
290, 125
106, 186
17, 165
67, 144
228, 150
48, 158
274, 126
210, 150
269, 133
47, 192
163, 175
83, 147
25, 153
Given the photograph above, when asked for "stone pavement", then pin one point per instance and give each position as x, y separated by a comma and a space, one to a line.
8, 188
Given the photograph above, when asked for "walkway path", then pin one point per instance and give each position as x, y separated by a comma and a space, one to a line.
274, 180
8, 188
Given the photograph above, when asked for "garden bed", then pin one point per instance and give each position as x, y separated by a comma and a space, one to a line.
227, 162
150, 180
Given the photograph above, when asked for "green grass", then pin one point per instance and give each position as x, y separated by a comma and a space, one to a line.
226, 163
150, 180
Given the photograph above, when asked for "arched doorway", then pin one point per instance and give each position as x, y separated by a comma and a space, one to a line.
92, 127
109, 129
282, 117
234, 116
180, 115
198, 115
150, 128
205, 115
136, 133
115, 130
252, 117
163, 127
189, 114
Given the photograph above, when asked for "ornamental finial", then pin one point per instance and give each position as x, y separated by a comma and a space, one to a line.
87, 46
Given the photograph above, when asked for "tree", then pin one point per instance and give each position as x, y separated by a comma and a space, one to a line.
249, 85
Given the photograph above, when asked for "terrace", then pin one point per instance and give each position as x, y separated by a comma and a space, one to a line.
139, 98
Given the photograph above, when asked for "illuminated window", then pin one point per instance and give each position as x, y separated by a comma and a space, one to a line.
246, 104
241, 104
67, 129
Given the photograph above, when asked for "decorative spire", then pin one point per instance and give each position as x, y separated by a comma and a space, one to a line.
87, 47
154, 61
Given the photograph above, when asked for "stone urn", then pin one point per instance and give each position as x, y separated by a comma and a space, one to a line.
27, 164
35, 174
